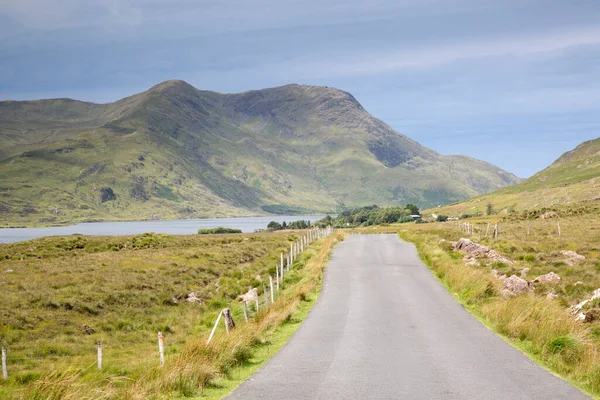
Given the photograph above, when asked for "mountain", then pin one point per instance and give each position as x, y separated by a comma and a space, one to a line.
573, 178
178, 152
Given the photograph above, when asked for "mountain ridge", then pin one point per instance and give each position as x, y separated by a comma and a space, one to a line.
174, 151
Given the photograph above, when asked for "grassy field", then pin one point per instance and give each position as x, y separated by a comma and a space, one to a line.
61, 295
540, 326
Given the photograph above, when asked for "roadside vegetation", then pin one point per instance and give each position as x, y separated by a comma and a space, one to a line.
540, 321
61, 295
372, 215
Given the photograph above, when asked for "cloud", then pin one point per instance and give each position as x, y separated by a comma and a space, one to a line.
55, 14
389, 59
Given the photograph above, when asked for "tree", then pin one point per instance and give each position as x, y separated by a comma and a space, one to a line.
490, 209
442, 218
414, 210
274, 226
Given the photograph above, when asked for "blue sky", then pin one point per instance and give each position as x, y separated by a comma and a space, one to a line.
512, 82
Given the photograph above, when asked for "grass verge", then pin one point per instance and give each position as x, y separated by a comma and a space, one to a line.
132, 269
540, 327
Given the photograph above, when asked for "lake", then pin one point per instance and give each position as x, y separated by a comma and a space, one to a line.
173, 227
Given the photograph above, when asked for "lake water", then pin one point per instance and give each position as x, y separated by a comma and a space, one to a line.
174, 227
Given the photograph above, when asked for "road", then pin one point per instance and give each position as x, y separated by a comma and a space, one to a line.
385, 328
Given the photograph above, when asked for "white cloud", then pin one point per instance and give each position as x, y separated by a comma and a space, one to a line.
385, 60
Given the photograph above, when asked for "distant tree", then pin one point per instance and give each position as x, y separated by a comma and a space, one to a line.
274, 226
414, 210
284, 225
442, 218
490, 209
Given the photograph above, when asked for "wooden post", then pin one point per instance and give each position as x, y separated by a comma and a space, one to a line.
161, 349
496, 231
266, 294
289, 262
487, 230
277, 275
99, 354
245, 311
271, 284
4, 370
291, 251
281, 260
257, 304
559, 233
228, 320
215, 327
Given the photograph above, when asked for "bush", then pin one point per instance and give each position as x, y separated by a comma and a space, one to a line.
219, 230
442, 218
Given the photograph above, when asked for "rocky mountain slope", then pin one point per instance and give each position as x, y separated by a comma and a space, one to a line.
178, 152
573, 178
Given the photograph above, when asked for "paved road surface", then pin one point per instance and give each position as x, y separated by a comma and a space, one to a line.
385, 328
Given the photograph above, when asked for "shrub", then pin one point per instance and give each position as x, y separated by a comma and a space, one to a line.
442, 218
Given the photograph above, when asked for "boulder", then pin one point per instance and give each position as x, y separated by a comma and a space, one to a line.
524, 272
497, 274
193, 298
515, 285
550, 277
572, 258
577, 308
250, 296
87, 330
477, 251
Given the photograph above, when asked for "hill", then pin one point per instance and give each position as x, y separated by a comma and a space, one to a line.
178, 152
573, 178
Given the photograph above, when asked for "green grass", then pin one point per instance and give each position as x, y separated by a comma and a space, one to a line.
128, 288
540, 327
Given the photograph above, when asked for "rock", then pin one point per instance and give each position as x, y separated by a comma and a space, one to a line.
515, 285
580, 317
8, 271
193, 298
572, 258
577, 308
250, 296
551, 296
550, 277
87, 330
442, 241
592, 315
476, 251
524, 272
549, 215
578, 283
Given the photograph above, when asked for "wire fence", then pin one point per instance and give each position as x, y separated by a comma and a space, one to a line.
110, 355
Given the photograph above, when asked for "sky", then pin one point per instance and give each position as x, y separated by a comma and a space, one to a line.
512, 82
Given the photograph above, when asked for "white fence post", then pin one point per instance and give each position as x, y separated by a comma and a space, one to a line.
4, 370
215, 327
271, 283
99, 354
277, 275
161, 349
266, 294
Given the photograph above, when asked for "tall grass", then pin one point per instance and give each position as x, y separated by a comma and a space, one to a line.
539, 326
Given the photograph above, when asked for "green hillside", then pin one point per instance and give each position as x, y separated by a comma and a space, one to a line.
573, 178
178, 152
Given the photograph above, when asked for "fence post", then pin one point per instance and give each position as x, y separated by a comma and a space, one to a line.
99, 354
271, 284
228, 320
496, 231
245, 311
277, 275
266, 294
4, 370
291, 251
528, 227
559, 233
161, 349
281, 260
487, 230
215, 327
257, 303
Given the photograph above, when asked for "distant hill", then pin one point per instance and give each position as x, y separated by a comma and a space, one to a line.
178, 152
573, 178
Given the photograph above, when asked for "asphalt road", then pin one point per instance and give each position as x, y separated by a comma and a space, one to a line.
385, 328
